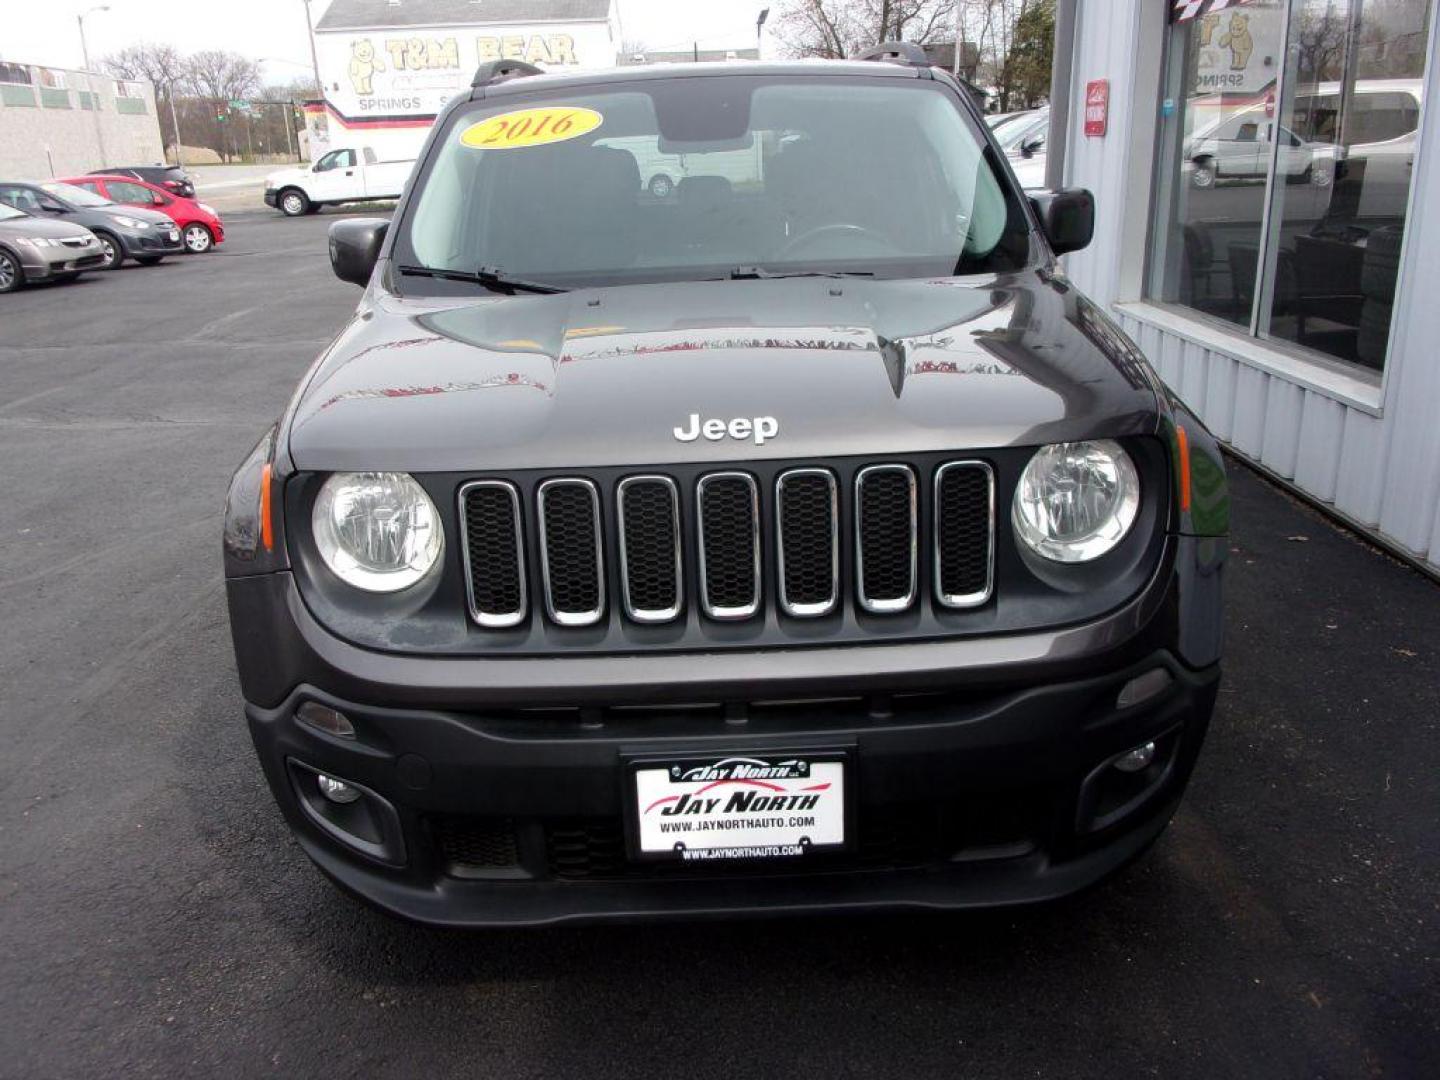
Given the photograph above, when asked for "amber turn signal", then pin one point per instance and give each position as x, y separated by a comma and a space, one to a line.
267, 527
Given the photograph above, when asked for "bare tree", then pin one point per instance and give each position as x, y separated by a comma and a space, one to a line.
163, 67
222, 76
834, 29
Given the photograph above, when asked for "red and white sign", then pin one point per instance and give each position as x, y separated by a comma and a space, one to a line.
1097, 107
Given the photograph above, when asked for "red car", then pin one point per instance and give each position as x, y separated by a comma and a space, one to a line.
199, 224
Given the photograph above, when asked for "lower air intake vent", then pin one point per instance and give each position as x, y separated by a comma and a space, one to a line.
494, 565
570, 552
885, 537
729, 519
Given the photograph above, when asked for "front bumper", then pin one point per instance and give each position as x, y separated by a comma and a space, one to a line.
980, 769
142, 243
272, 198
42, 264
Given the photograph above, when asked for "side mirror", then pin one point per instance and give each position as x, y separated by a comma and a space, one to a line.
1067, 218
1030, 146
355, 247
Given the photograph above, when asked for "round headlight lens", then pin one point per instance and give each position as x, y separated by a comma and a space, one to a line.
377, 531
1076, 501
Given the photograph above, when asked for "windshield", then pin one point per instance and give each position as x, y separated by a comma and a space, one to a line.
75, 196
10, 213
691, 178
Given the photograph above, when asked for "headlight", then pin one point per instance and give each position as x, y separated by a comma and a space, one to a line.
37, 241
377, 531
130, 222
1076, 501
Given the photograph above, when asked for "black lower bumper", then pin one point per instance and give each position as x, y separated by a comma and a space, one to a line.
962, 799
272, 197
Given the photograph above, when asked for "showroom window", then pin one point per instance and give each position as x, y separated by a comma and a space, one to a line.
1287, 138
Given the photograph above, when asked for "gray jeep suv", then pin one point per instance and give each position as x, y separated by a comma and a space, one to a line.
803, 540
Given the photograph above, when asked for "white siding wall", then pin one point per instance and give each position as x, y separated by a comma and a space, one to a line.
1374, 456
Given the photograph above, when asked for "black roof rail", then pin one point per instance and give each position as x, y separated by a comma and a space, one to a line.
896, 52
495, 70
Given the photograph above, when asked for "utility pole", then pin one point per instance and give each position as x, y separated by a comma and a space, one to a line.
314, 56
90, 80
759, 26
175, 123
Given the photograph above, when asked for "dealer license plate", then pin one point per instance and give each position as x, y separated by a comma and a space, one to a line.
739, 806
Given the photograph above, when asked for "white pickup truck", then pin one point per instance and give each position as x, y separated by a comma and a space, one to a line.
340, 176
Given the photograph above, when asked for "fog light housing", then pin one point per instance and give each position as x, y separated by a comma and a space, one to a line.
1132, 762
337, 791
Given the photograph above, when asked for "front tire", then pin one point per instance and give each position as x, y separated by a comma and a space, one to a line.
111, 250
661, 186
198, 239
1203, 174
1320, 174
293, 202
12, 276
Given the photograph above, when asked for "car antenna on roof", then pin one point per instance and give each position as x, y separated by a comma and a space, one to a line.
896, 52
494, 70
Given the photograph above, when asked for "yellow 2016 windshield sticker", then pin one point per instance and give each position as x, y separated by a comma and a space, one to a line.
531, 127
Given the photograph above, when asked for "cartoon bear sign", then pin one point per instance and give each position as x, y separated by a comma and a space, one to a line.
363, 64
1238, 40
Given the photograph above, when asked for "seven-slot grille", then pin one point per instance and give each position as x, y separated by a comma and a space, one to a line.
725, 517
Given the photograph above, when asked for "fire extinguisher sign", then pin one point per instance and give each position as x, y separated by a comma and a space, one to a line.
1097, 107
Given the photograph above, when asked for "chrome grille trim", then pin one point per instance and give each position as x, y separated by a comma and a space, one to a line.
650, 615
740, 611
973, 599
494, 620
888, 605
810, 610
571, 618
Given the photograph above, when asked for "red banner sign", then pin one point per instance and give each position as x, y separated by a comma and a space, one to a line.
1097, 107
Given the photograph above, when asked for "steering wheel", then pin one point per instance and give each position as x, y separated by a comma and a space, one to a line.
837, 228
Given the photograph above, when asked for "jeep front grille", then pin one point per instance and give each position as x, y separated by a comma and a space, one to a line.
494, 553
729, 526
570, 552
886, 537
814, 539
807, 543
649, 529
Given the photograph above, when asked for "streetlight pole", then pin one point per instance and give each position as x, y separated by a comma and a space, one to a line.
90, 80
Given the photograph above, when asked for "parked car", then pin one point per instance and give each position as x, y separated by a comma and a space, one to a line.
808, 544
997, 121
123, 231
33, 250
340, 176
200, 225
1238, 146
172, 178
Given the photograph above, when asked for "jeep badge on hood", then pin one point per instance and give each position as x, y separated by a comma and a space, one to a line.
759, 428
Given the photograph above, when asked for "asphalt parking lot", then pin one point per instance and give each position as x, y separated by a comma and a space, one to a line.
156, 919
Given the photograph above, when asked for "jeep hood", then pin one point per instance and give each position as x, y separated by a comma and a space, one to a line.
604, 376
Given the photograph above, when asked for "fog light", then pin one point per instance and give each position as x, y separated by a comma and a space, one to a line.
1135, 761
326, 719
337, 791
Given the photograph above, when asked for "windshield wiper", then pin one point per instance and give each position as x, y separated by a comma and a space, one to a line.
756, 273
490, 277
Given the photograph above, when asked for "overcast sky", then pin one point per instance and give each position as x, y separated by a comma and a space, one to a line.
44, 31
